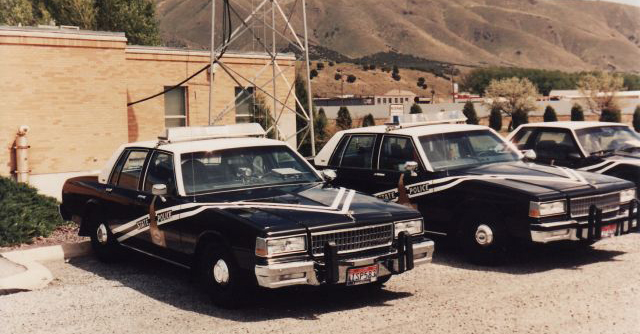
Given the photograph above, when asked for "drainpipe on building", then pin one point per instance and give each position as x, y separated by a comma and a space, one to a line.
22, 155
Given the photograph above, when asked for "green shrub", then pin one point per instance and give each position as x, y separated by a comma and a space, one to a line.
576, 113
415, 109
550, 114
519, 117
610, 115
636, 118
343, 121
495, 119
368, 121
469, 111
25, 214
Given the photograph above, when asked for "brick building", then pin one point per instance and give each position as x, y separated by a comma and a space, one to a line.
71, 87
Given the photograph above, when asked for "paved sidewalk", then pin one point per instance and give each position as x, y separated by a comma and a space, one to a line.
8, 268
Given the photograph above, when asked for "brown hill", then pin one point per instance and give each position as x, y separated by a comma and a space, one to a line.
554, 34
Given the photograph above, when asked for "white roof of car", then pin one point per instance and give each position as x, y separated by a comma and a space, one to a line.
571, 125
416, 130
206, 144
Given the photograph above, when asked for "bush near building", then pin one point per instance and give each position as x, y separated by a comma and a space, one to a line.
25, 214
368, 121
636, 118
495, 119
610, 115
577, 114
415, 109
343, 121
469, 112
550, 114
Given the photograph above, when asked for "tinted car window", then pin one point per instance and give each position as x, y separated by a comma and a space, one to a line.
395, 152
521, 138
359, 152
132, 169
608, 138
337, 155
554, 144
160, 171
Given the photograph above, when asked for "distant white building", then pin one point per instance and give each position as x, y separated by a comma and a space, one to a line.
576, 95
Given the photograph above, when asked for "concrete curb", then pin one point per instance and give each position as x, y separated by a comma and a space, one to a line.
38, 276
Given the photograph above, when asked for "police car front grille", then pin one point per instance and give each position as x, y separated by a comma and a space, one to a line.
353, 239
607, 202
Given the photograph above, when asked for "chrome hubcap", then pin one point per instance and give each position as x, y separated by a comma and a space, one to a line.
221, 272
484, 235
101, 234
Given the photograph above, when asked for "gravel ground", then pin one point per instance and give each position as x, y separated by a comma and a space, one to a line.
557, 289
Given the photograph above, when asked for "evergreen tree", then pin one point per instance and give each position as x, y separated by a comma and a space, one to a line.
301, 123
368, 121
135, 17
469, 111
495, 119
576, 113
636, 118
344, 122
610, 115
320, 128
351, 78
415, 109
313, 73
517, 118
550, 114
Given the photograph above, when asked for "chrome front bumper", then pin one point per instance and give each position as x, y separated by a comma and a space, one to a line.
567, 230
306, 272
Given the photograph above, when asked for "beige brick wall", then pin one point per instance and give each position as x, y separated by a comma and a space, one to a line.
68, 90
72, 89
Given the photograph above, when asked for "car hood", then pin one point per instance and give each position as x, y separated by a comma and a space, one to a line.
309, 206
544, 181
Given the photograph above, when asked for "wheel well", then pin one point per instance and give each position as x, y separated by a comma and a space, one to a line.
473, 209
205, 239
90, 208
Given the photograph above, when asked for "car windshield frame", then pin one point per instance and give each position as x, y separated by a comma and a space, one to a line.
230, 169
587, 136
433, 143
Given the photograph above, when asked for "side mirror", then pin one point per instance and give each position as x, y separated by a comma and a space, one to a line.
529, 155
574, 156
411, 166
328, 175
159, 189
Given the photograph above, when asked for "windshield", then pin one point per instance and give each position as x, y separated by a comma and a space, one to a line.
607, 138
465, 149
243, 167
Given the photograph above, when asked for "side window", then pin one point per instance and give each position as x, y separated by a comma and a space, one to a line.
359, 152
118, 167
132, 169
160, 171
395, 152
337, 155
521, 138
554, 144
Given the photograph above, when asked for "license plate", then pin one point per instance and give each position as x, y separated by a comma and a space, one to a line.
362, 275
608, 231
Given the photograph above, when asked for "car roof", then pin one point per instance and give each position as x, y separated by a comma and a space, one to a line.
206, 144
416, 130
573, 125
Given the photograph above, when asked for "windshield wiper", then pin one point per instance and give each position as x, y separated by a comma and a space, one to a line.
601, 152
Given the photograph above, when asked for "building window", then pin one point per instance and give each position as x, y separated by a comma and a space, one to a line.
245, 99
384, 100
406, 99
175, 107
379, 100
396, 100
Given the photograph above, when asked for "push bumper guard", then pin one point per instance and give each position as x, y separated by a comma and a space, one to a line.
333, 270
591, 230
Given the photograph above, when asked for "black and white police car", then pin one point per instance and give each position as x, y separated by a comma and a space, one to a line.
240, 209
599, 147
470, 183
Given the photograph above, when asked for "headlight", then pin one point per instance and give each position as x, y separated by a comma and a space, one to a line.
409, 226
538, 209
627, 195
269, 247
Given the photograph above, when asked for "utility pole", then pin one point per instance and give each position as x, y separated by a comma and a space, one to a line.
273, 65
212, 57
453, 91
309, 94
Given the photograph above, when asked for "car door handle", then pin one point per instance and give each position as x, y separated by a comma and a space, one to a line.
142, 196
378, 174
108, 190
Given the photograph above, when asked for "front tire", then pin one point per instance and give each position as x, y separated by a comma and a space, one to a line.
220, 276
484, 240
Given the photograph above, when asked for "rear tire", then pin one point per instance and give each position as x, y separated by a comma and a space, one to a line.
220, 276
484, 240
103, 242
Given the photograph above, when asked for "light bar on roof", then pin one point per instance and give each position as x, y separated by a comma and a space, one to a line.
213, 131
442, 117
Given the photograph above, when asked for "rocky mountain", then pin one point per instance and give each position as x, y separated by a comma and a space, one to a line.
553, 34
